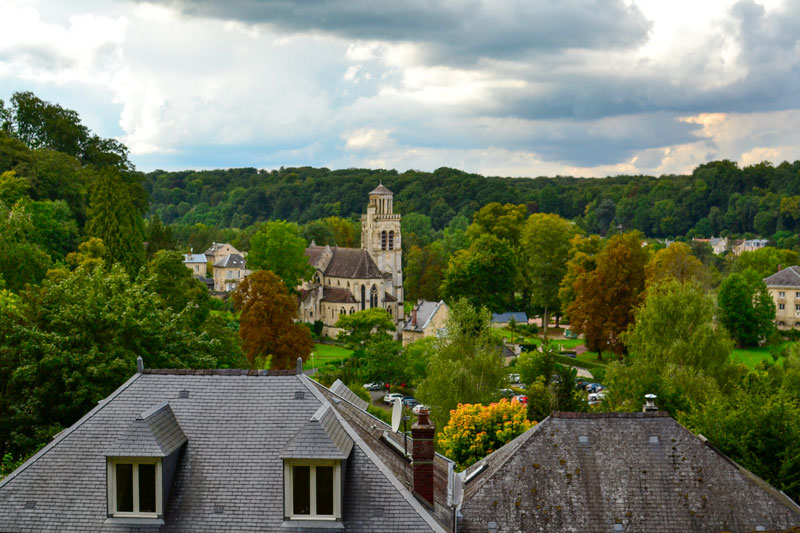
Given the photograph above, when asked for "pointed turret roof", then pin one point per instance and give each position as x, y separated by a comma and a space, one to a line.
380, 189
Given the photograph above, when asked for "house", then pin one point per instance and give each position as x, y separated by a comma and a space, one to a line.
347, 280
616, 472
222, 450
229, 270
784, 287
502, 320
218, 250
427, 319
196, 263
748, 245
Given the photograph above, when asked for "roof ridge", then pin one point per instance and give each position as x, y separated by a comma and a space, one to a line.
68, 431
219, 372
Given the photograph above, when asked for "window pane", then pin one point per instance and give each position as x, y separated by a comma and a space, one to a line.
147, 488
124, 487
301, 491
325, 490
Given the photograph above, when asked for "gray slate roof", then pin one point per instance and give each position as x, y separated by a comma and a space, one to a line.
519, 316
548, 480
322, 437
425, 312
343, 391
154, 433
229, 476
352, 263
788, 277
230, 261
381, 189
195, 258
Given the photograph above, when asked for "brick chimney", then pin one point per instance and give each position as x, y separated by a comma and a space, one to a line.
422, 454
414, 317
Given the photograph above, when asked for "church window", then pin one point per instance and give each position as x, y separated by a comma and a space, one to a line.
342, 311
391, 240
338, 283
373, 297
389, 308
352, 310
363, 297
383, 240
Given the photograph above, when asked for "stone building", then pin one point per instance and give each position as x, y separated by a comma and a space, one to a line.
427, 319
347, 280
784, 287
229, 270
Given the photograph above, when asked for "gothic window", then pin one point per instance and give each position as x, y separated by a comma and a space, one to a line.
383, 240
391, 240
342, 311
363, 297
352, 310
373, 297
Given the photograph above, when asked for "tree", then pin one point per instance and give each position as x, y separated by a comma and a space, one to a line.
159, 237
582, 258
345, 233
89, 255
176, 287
606, 297
370, 324
765, 261
745, 308
318, 232
474, 430
502, 221
266, 323
22, 261
551, 385
114, 219
675, 262
278, 247
546, 240
484, 274
466, 366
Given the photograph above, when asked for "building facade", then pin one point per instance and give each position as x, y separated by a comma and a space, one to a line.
784, 287
347, 280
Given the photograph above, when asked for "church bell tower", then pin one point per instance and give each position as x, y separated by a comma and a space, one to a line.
380, 236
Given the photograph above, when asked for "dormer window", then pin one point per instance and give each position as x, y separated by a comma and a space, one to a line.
313, 489
134, 487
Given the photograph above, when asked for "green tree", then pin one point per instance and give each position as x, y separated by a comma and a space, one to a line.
551, 385
675, 262
466, 366
502, 221
278, 247
546, 240
267, 322
582, 258
484, 274
606, 297
176, 287
159, 237
318, 232
371, 324
745, 308
22, 260
114, 219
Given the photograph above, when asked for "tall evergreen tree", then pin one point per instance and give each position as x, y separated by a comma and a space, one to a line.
114, 219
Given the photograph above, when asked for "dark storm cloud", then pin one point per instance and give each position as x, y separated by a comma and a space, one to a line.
453, 32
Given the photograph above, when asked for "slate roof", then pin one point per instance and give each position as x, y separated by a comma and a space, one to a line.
341, 390
641, 470
380, 189
230, 261
353, 263
337, 295
425, 312
322, 437
388, 297
229, 476
788, 277
154, 433
519, 316
195, 258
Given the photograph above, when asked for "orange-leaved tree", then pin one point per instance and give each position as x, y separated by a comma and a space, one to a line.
266, 324
474, 430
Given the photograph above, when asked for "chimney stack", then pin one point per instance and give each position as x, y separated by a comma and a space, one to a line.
422, 454
650, 404
414, 317
299, 365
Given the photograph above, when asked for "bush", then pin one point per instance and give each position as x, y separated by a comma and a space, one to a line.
792, 334
379, 413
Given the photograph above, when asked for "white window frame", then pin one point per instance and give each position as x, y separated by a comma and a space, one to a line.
781, 294
112, 486
781, 307
288, 486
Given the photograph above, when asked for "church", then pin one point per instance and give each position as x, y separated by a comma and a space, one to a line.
347, 280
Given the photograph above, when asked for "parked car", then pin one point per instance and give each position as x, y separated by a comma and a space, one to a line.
419, 407
409, 401
597, 396
373, 386
581, 383
594, 387
506, 393
521, 398
513, 378
391, 397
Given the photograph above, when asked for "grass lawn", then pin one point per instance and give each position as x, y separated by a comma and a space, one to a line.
327, 353
754, 355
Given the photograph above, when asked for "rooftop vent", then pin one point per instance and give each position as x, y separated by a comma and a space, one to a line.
219, 509
299, 395
650, 403
583, 439
183, 394
30, 505
653, 439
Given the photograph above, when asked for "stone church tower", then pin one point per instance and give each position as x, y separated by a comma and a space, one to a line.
380, 236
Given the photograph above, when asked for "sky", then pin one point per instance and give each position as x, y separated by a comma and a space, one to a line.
497, 87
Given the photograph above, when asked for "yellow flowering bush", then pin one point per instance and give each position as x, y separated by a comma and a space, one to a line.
474, 430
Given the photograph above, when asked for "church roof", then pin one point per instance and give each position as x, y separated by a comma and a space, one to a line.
337, 295
380, 189
352, 263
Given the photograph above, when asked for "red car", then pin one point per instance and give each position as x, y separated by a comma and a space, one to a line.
521, 398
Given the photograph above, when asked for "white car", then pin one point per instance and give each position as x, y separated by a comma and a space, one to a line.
391, 397
419, 407
597, 396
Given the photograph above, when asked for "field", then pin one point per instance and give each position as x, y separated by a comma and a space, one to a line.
326, 353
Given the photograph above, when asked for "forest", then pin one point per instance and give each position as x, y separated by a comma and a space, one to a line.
91, 277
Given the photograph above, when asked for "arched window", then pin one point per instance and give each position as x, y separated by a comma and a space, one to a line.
383, 240
373, 297
342, 311
316, 278
391, 240
363, 297
352, 310
389, 309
